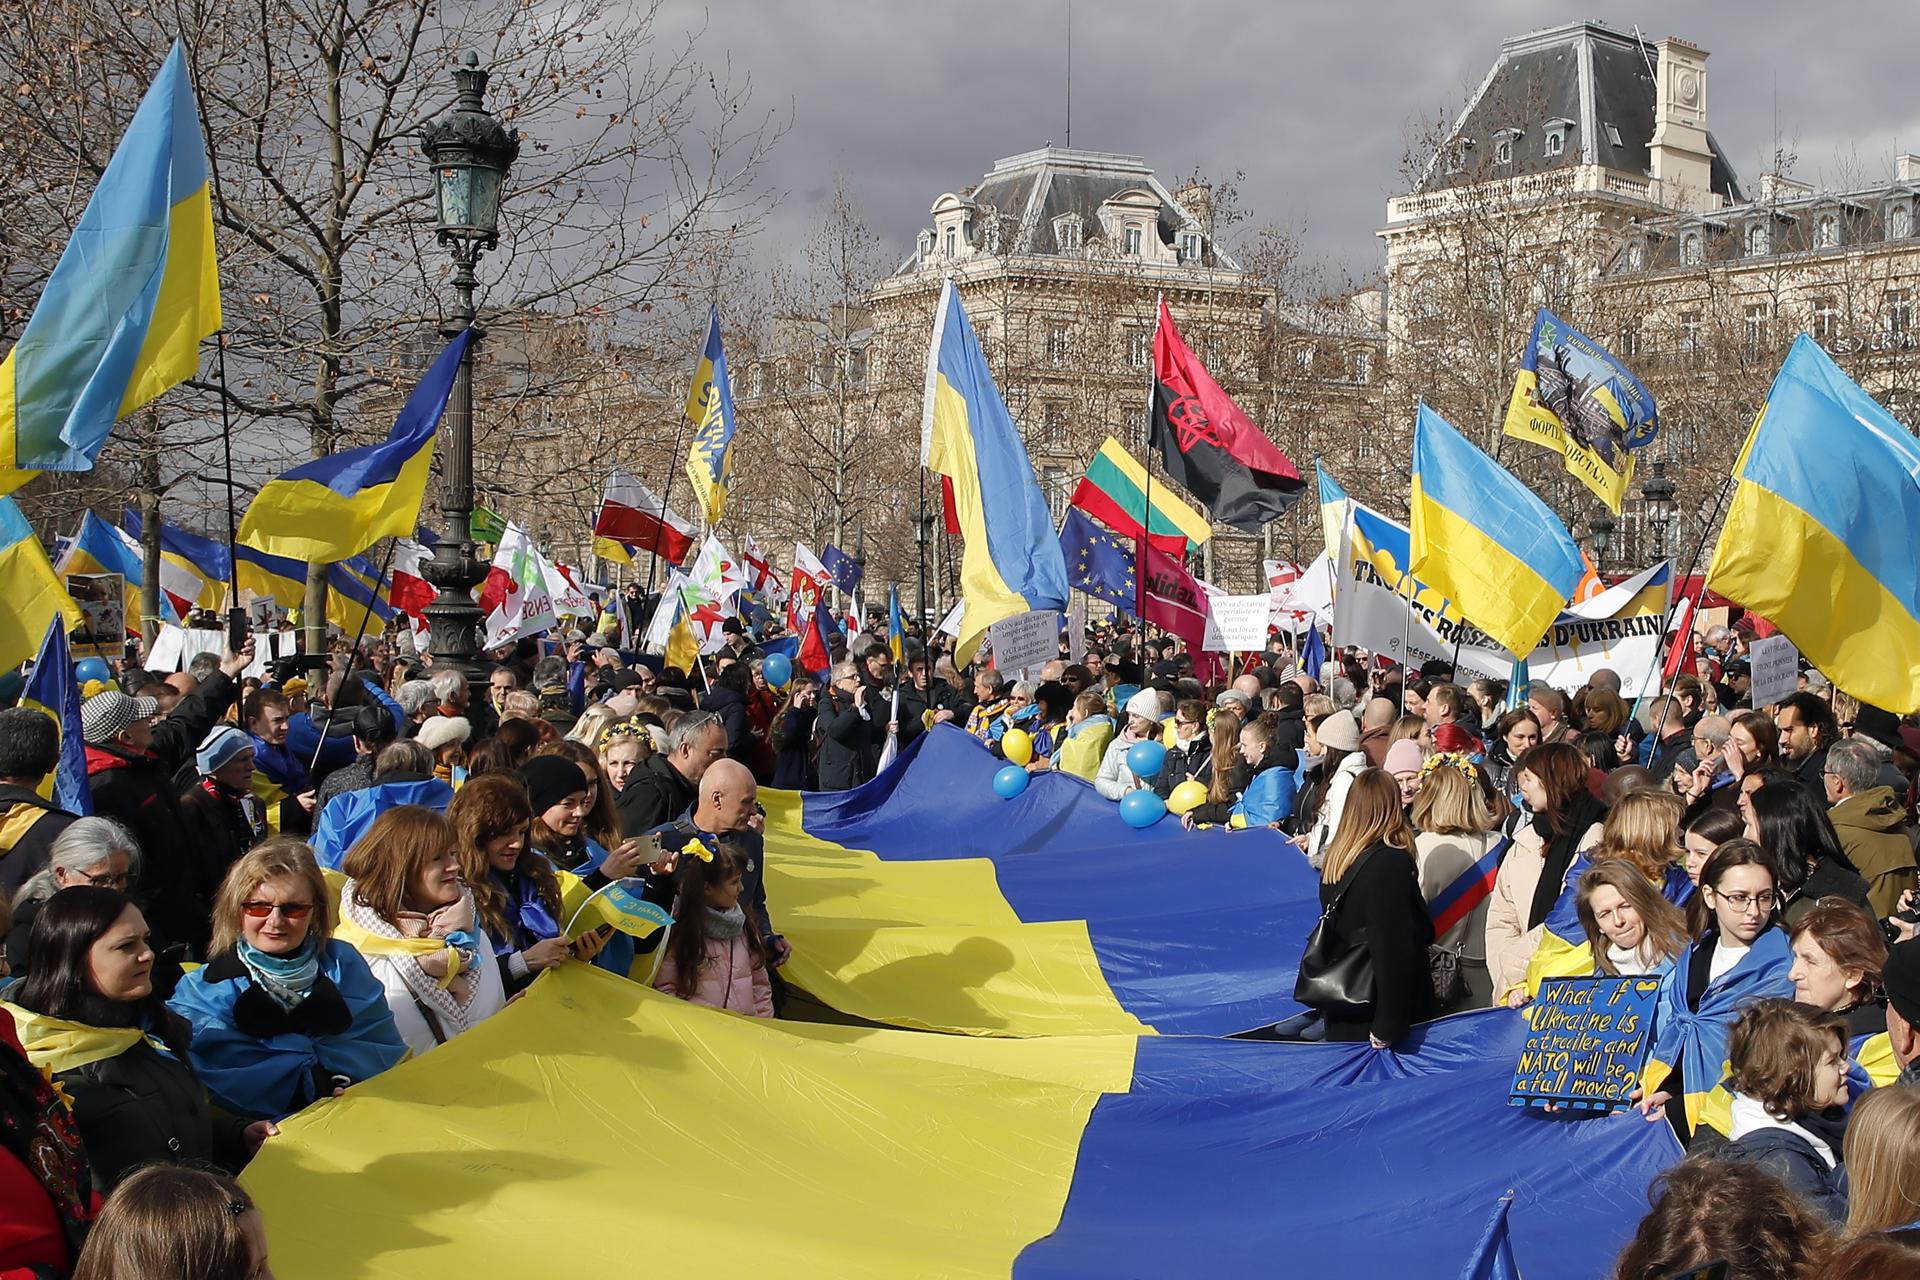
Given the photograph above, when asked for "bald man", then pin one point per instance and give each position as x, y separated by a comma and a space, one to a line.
1250, 688
1376, 722
726, 811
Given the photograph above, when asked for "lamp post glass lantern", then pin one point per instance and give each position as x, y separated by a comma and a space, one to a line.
1657, 492
471, 154
1600, 533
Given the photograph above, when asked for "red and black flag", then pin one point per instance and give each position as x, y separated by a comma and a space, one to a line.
1209, 445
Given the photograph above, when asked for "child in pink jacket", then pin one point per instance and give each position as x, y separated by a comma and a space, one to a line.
714, 954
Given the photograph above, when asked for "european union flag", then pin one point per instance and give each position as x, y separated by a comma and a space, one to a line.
842, 568
1099, 562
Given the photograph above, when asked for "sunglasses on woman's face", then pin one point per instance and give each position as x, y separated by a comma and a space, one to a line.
287, 910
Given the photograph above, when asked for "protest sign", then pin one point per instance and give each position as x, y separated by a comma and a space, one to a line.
1776, 670
1241, 621
1025, 640
103, 625
1587, 1040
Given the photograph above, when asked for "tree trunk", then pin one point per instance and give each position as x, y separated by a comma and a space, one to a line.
147, 499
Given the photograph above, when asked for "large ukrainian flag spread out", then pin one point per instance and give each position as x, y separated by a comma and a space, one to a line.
1820, 538
137, 288
1012, 562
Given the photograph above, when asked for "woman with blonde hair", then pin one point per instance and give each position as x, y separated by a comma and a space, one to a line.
1883, 1161
282, 1013
593, 722
1370, 901
406, 911
1631, 930
1458, 831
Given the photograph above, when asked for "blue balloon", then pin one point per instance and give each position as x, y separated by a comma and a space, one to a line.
1142, 808
1010, 782
92, 669
778, 669
1146, 759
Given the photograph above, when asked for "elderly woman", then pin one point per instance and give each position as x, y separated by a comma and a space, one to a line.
88, 1015
282, 1014
97, 851
406, 911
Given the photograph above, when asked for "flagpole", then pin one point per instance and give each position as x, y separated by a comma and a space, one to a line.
1678, 597
1146, 468
386, 566
236, 616
666, 501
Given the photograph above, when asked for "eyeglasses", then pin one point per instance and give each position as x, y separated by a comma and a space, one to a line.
113, 880
287, 910
1742, 902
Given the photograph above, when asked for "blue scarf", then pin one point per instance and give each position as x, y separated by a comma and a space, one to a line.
528, 914
286, 979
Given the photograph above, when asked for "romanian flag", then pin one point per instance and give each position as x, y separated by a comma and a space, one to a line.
121, 318
632, 518
1209, 444
34, 595
1481, 538
1573, 397
1011, 563
710, 410
1116, 492
1821, 535
338, 506
52, 689
896, 626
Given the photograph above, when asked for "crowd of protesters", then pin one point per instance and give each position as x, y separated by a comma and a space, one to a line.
290, 884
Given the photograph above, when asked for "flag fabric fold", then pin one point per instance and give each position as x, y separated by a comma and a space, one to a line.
710, 410
135, 290
808, 585
338, 506
1572, 396
34, 595
1118, 493
842, 568
1011, 560
1208, 443
1173, 599
192, 553
1099, 562
1493, 1256
100, 547
896, 627
1821, 532
514, 599
1480, 537
51, 688
634, 518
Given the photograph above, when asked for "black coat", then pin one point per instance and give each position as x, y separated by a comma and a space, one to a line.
1195, 761
1289, 735
656, 793
28, 827
849, 742
143, 1107
221, 835
732, 710
1381, 908
793, 749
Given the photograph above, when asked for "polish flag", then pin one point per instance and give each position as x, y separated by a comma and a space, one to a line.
631, 513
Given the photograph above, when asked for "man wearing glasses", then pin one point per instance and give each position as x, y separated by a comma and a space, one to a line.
666, 784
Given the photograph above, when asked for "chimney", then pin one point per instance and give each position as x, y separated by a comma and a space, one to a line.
1906, 167
1682, 159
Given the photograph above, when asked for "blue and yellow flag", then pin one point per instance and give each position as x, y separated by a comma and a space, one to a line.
1481, 538
1012, 562
52, 689
269, 575
710, 410
1821, 536
896, 626
338, 506
100, 548
134, 292
203, 557
1573, 397
1334, 505
34, 594
357, 596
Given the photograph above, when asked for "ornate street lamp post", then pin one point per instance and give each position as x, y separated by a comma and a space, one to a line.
471, 153
1600, 533
1658, 491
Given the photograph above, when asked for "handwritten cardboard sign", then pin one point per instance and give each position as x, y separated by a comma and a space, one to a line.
1776, 670
1587, 1040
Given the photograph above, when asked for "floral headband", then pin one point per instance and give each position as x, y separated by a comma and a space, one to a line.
1452, 760
621, 729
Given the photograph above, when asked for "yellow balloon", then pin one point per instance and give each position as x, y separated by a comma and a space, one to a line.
1017, 746
1188, 795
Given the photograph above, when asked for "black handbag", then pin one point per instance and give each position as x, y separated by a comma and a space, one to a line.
1449, 983
1335, 973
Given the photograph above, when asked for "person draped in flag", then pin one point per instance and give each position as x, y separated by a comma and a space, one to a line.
1457, 853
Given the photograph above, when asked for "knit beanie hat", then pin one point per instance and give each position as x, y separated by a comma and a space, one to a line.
551, 779
220, 746
1339, 731
1405, 756
437, 731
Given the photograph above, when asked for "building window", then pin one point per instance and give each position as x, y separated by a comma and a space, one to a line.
1756, 327
1303, 357
1756, 239
1627, 345
1055, 482
1690, 248
1900, 221
1057, 344
1826, 320
1613, 135
856, 368
1189, 246
924, 242
757, 380
1556, 143
1826, 232
1132, 242
1066, 232
1361, 366
1139, 347
1503, 149
1899, 312
1053, 422
953, 239
993, 233
1690, 333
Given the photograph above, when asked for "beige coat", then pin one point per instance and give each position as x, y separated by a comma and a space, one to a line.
1510, 944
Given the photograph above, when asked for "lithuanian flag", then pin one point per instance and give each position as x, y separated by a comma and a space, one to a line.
1116, 491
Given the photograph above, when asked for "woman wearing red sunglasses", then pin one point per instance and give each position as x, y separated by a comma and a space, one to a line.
283, 1013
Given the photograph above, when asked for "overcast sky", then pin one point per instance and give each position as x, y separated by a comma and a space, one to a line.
1315, 102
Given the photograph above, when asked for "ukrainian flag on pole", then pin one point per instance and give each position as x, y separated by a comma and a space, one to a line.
1820, 539
1482, 539
1012, 562
896, 626
52, 689
710, 410
335, 507
137, 288
34, 596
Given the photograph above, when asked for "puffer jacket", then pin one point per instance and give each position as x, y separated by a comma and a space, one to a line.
731, 977
1873, 830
